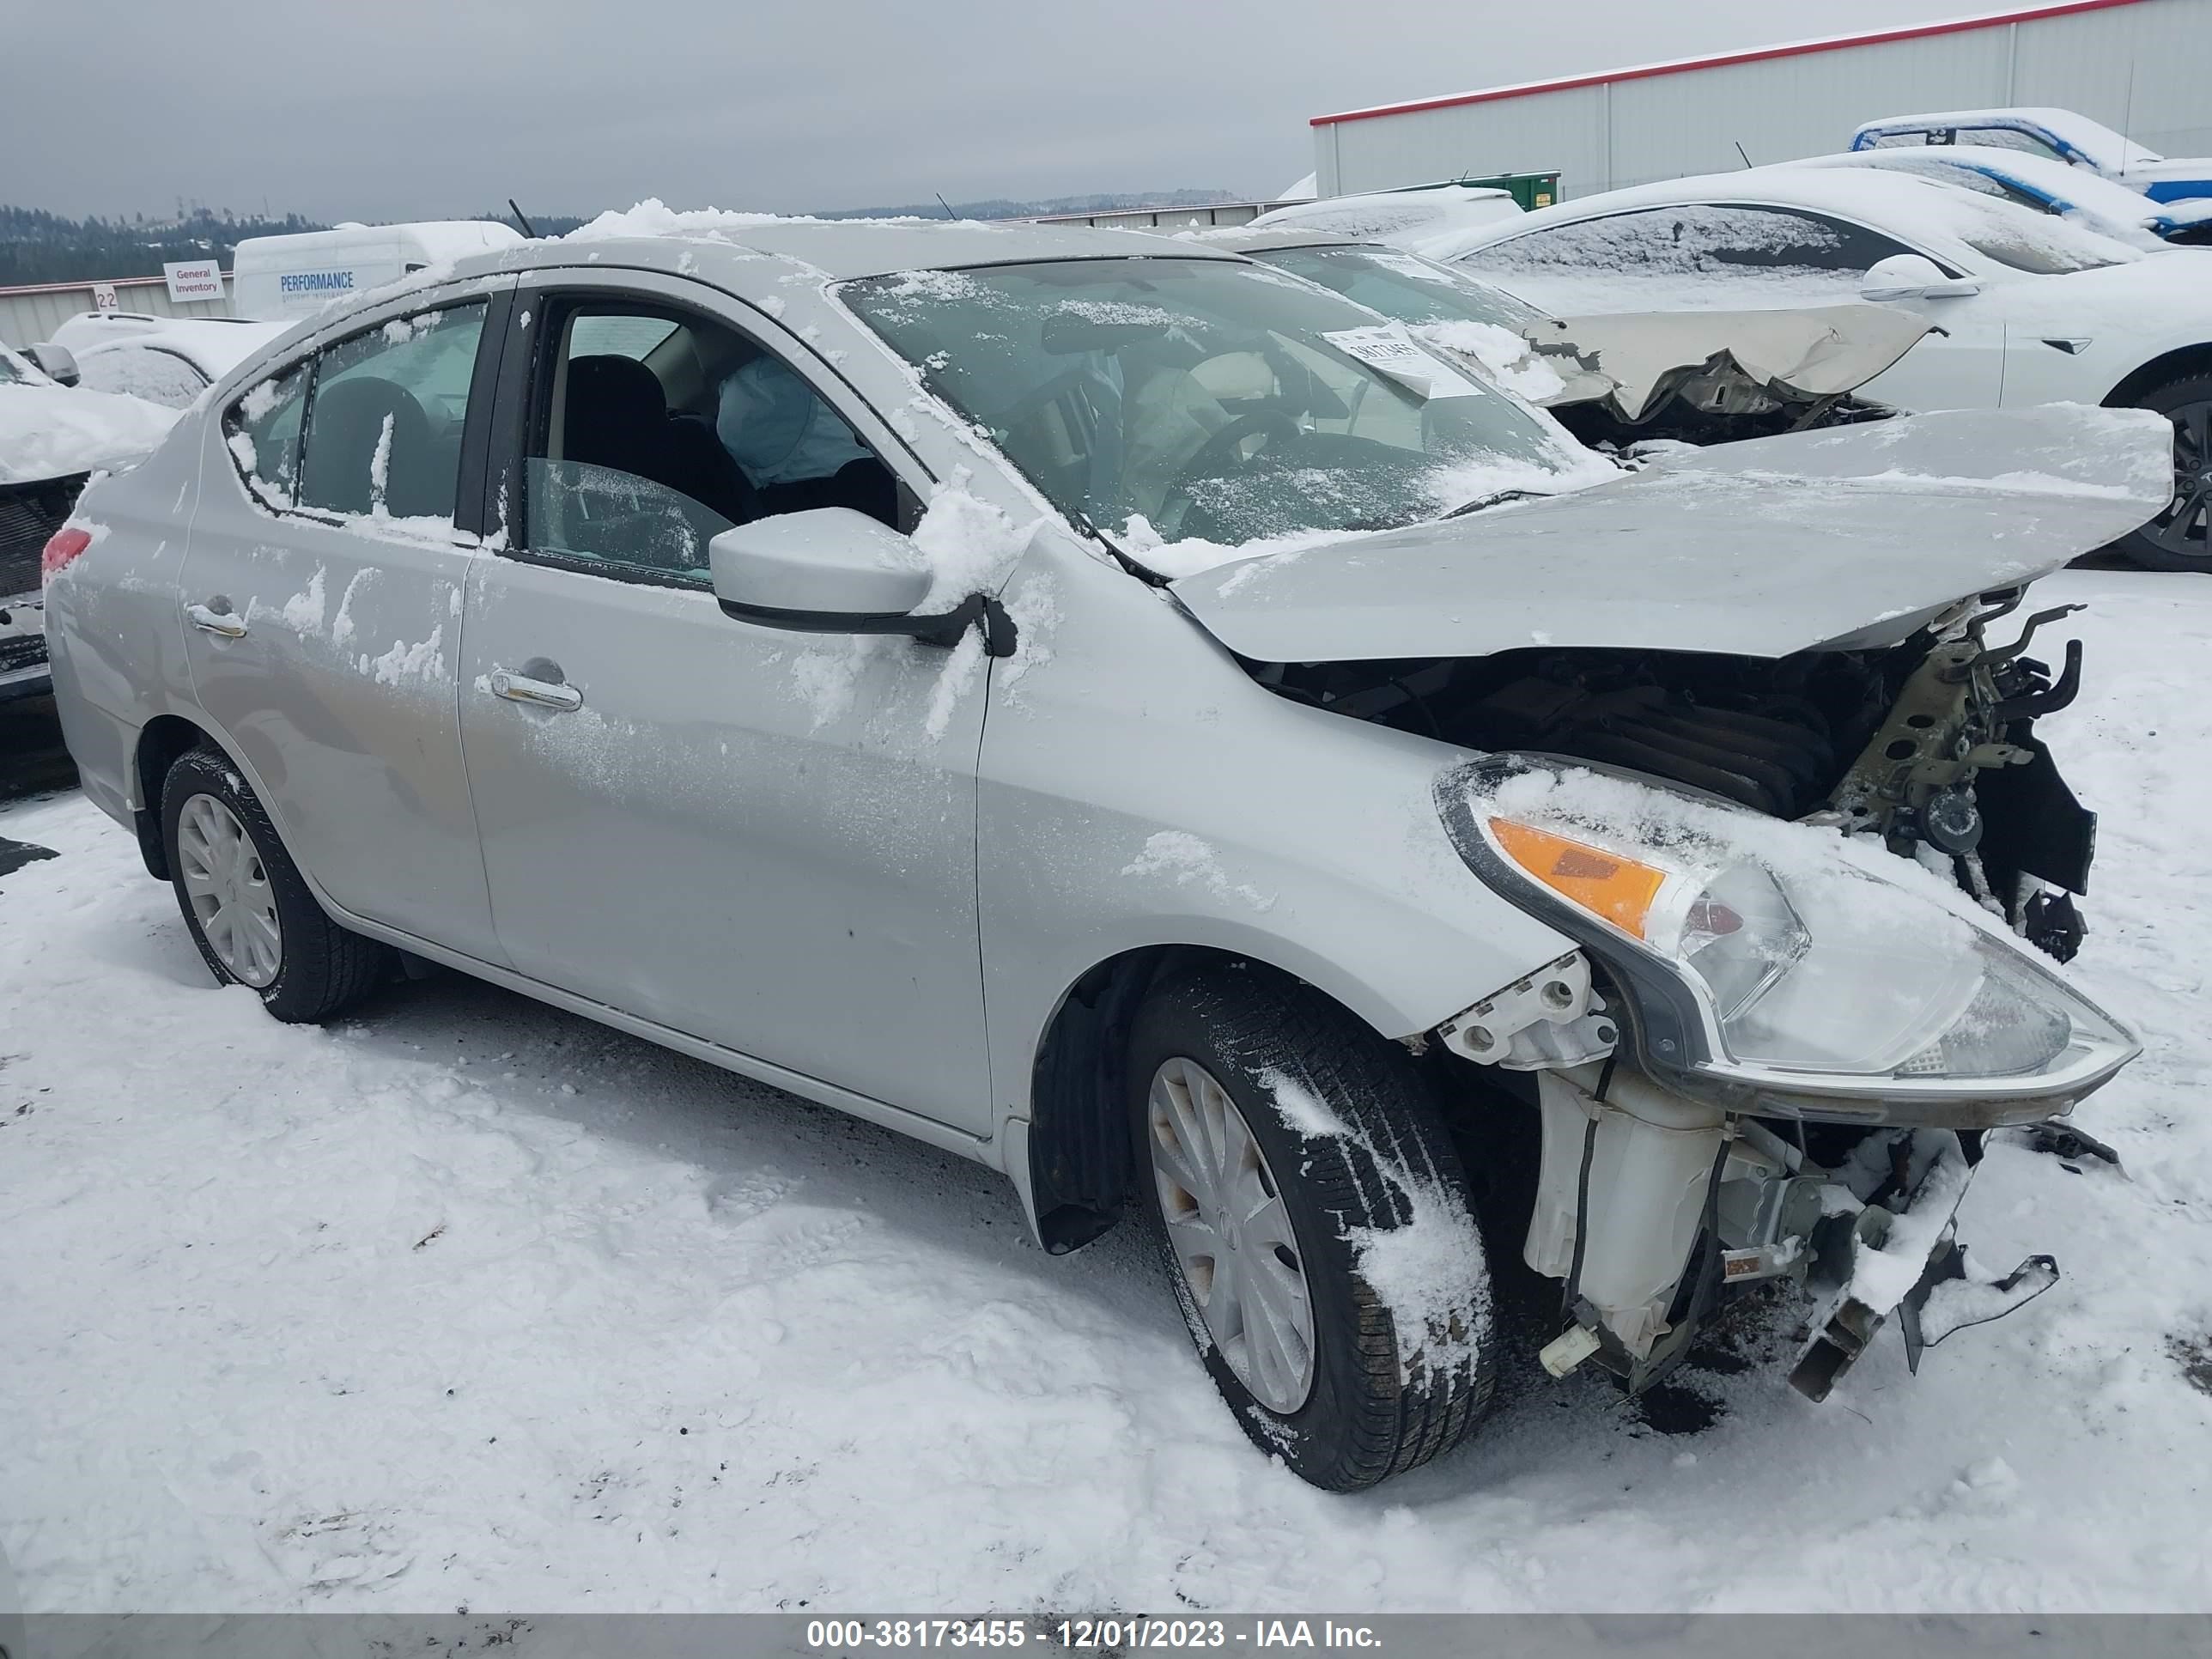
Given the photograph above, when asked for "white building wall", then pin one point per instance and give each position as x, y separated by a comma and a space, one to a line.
2144, 68
28, 315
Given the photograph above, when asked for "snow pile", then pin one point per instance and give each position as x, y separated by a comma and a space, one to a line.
55, 432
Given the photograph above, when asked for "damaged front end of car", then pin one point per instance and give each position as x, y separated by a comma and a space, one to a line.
1755, 730
1775, 1055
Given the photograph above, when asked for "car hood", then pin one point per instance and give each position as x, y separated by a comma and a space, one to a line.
1797, 356
56, 432
1851, 537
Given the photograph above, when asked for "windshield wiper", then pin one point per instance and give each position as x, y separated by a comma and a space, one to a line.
1497, 499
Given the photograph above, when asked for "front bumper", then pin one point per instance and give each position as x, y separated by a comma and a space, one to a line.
1905, 1260
24, 670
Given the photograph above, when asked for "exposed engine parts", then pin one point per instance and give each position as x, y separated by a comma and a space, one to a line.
1928, 743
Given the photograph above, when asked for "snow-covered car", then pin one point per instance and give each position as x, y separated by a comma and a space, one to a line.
51, 437
2048, 187
2058, 135
1122, 716
2029, 308
1403, 218
1701, 377
168, 360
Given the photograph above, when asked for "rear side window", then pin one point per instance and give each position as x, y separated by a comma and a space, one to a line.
148, 372
384, 423
262, 430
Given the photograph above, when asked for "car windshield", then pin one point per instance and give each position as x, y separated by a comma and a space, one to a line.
1216, 401
1400, 285
2020, 239
9, 375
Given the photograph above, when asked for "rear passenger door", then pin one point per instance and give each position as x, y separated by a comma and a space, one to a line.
322, 599
760, 839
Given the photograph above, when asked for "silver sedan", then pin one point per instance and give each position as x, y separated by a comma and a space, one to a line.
1145, 722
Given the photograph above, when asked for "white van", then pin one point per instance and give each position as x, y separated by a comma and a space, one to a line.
280, 278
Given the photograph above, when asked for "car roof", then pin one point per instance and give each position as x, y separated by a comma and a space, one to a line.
1877, 195
724, 246
2094, 139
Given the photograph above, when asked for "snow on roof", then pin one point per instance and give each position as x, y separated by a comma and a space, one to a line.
1752, 55
845, 248
2116, 209
1938, 216
2106, 147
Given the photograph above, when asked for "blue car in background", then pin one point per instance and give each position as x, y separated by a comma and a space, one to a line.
2053, 135
2103, 204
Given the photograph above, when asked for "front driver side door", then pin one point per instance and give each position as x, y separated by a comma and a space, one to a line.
761, 839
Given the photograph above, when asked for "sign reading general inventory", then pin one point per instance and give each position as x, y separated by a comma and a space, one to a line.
194, 279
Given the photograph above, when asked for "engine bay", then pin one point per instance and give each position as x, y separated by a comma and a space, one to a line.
1929, 743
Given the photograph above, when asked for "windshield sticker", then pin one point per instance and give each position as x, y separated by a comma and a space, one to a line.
1388, 350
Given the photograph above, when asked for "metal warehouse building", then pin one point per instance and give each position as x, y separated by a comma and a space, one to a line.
2143, 67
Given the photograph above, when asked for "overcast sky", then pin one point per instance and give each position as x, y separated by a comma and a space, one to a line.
406, 108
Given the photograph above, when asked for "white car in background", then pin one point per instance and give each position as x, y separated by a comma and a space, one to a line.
168, 360
2031, 309
1403, 218
52, 437
2047, 187
2058, 135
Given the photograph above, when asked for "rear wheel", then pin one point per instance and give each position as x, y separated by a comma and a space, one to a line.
248, 908
2177, 539
1315, 1223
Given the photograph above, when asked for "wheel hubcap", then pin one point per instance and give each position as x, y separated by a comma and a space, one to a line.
2182, 527
1231, 1235
229, 891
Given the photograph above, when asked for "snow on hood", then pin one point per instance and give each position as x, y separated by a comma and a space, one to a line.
54, 432
1856, 536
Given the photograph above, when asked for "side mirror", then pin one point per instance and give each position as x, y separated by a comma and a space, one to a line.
831, 571
57, 362
1912, 277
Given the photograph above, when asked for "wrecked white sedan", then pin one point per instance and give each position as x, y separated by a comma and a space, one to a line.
1616, 377
1144, 723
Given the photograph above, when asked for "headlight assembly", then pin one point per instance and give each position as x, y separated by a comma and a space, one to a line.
1811, 965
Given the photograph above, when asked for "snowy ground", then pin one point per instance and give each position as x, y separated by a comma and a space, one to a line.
471, 1303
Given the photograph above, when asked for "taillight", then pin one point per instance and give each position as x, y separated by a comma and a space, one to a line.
67, 542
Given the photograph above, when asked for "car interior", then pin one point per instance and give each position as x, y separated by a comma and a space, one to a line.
626, 463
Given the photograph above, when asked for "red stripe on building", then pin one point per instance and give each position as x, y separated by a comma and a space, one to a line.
1721, 60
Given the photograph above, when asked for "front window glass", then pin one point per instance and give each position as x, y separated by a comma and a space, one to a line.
159, 377
384, 427
1214, 400
659, 429
8, 374
2043, 244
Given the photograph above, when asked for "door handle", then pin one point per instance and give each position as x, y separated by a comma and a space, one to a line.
541, 694
229, 624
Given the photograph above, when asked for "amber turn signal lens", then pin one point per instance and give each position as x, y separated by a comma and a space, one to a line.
1619, 890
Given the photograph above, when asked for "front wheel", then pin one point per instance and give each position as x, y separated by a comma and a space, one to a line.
2177, 539
249, 910
1316, 1225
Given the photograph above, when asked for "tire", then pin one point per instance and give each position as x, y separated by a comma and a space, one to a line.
2180, 539
1402, 1358
312, 968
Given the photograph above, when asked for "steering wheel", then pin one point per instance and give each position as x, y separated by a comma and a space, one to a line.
1216, 453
